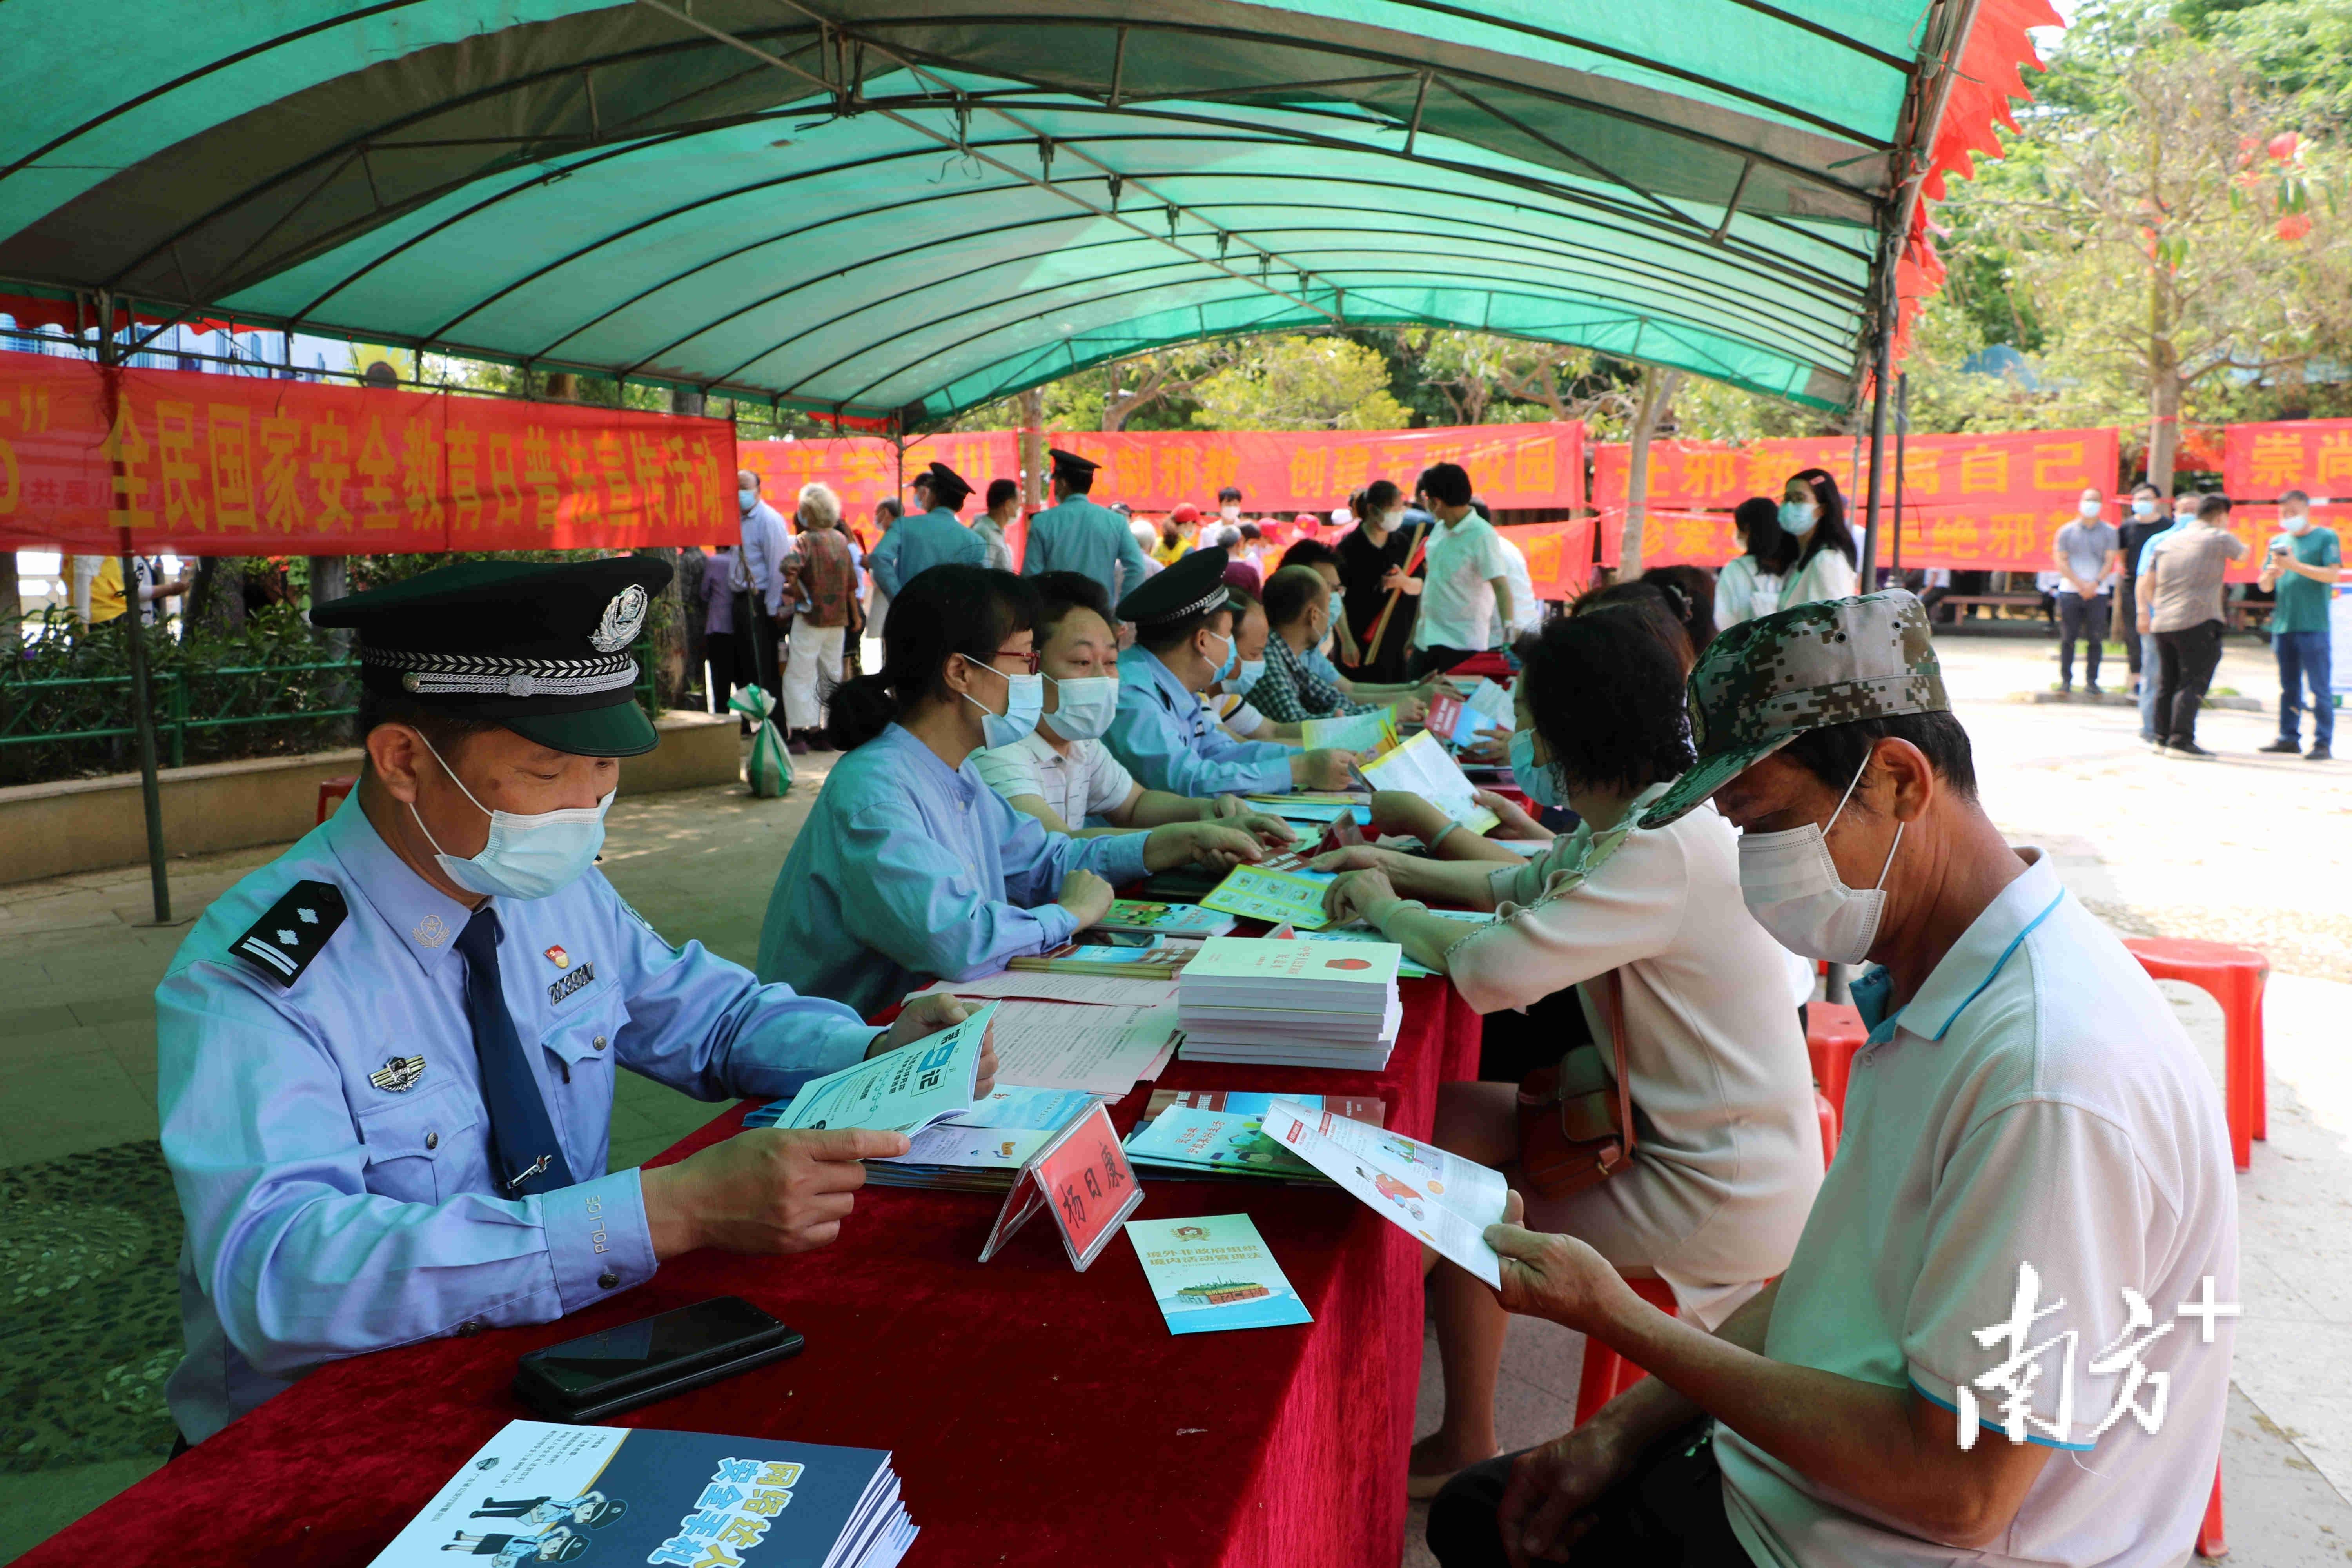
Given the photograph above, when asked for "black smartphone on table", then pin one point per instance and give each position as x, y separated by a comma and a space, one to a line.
622, 1368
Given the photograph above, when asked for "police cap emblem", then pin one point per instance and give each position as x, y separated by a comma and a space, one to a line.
623, 618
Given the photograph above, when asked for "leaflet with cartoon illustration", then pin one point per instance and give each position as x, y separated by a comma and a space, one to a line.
539, 1492
1446, 1200
1214, 1272
897, 1091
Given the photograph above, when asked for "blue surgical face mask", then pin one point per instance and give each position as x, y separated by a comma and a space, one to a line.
1083, 706
2090, 509
2143, 509
1537, 781
526, 856
1247, 673
1232, 656
747, 499
1024, 700
1798, 517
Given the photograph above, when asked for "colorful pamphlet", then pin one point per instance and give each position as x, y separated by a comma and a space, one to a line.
1214, 1272
1293, 808
1492, 704
1077, 958
1263, 895
899, 1091
1366, 1109
1421, 766
539, 1492
1450, 720
1352, 731
1184, 1140
1446, 1200
959, 1159
1169, 920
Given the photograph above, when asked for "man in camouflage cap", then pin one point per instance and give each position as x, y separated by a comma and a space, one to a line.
2027, 1116
1766, 681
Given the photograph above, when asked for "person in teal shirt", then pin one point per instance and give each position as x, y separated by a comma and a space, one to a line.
1075, 535
2304, 562
928, 539
909, 866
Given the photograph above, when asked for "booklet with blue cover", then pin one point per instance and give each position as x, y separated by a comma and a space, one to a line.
539, 1492
1214, 1272
904, 1090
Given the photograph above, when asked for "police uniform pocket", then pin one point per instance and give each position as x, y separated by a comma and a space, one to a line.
417, 1148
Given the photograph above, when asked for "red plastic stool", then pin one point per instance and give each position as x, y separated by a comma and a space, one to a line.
1833, 1033
331, 793
2236, 978
1608, 1375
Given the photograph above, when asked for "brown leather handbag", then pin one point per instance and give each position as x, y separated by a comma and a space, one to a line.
1576, 1127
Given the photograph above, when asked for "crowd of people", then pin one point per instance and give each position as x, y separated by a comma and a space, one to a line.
1727, 778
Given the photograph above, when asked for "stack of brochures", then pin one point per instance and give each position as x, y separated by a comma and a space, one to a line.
543, 1493
1078, 958
1291, 1003
1127, 916
982, 1151
1216, 1135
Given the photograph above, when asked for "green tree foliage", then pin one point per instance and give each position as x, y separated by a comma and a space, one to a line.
1300, 382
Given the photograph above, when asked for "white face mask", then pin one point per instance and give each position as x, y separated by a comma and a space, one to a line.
2298, 525
2090, 510
1024, 700
1230, 510
526, 856
1792, 887
1083, 706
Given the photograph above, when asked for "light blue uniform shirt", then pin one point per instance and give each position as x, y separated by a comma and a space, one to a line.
1093, 540
908, 870
2147, 551
915, 544
328, 1215
1169, 741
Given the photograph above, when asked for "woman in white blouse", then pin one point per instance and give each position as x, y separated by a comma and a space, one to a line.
1748, 584
1728, 1154
1814, 513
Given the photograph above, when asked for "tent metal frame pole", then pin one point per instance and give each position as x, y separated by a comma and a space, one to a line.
134, 631
1882, 370
1902, 430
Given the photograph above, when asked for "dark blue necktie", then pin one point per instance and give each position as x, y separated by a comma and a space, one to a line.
527, 1157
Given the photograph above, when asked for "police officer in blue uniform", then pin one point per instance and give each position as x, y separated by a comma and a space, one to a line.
922, 541
387, 1057
1186, 640
1075, 535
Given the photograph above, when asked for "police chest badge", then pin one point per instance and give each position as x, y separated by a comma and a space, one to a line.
623, 618
398, 1075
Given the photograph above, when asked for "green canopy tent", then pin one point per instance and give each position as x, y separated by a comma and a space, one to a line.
890, 213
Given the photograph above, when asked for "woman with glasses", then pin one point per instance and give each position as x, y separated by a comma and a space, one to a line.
910, 867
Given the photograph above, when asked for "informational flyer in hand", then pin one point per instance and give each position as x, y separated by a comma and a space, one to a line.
1352, 731
1262, 895
1422, 767
904, 1090
539, 1492
1214, 1272
1446, 1200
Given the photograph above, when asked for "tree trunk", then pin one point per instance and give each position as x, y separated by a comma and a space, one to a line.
669, 637
1658, 393
1118, 406
216, 600
12, 603
1032, 447
559, 386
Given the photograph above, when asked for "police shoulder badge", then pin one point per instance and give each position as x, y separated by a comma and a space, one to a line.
623, 618
398, 1075
291, 931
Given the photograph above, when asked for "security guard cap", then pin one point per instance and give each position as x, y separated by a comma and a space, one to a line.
949, 487
540, 648
1070, 466
1190, 587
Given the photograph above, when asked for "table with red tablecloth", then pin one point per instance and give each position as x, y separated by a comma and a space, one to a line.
1037, 1416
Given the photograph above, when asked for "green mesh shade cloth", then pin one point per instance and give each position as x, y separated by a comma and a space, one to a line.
896, 212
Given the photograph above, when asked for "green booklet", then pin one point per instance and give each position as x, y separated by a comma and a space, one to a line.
1214, 1272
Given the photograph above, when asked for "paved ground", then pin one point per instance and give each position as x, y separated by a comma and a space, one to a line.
2245, 848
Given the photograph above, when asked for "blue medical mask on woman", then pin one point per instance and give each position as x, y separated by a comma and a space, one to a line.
1025, 700
1798, 517
527, 857
1083, 706
1537, 781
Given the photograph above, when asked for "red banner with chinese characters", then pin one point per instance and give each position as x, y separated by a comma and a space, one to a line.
1992, 501
1279, 472
200, 464
2314, 456
1560, 556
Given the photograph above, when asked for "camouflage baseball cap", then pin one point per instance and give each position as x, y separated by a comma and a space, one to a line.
1767, 681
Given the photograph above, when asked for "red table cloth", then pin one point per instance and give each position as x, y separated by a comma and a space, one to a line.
1037, 1416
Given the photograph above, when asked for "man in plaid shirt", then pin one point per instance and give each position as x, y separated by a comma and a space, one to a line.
1298, 612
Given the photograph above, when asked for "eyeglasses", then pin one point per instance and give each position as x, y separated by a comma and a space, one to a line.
1028, 659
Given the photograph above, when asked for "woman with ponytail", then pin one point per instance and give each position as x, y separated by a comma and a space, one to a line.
910, 867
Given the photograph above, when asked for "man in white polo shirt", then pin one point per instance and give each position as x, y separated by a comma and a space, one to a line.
1469, 577
2005, 1335
1061, 773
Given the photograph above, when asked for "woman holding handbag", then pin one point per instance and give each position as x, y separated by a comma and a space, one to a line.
1681, 1144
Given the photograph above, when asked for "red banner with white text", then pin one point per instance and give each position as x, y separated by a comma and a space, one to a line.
1992, 501
200, 464
1279, 472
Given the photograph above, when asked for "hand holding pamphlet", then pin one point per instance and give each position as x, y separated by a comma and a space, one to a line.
904, 1090
1422, 767
1370, 731
1444, 1200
